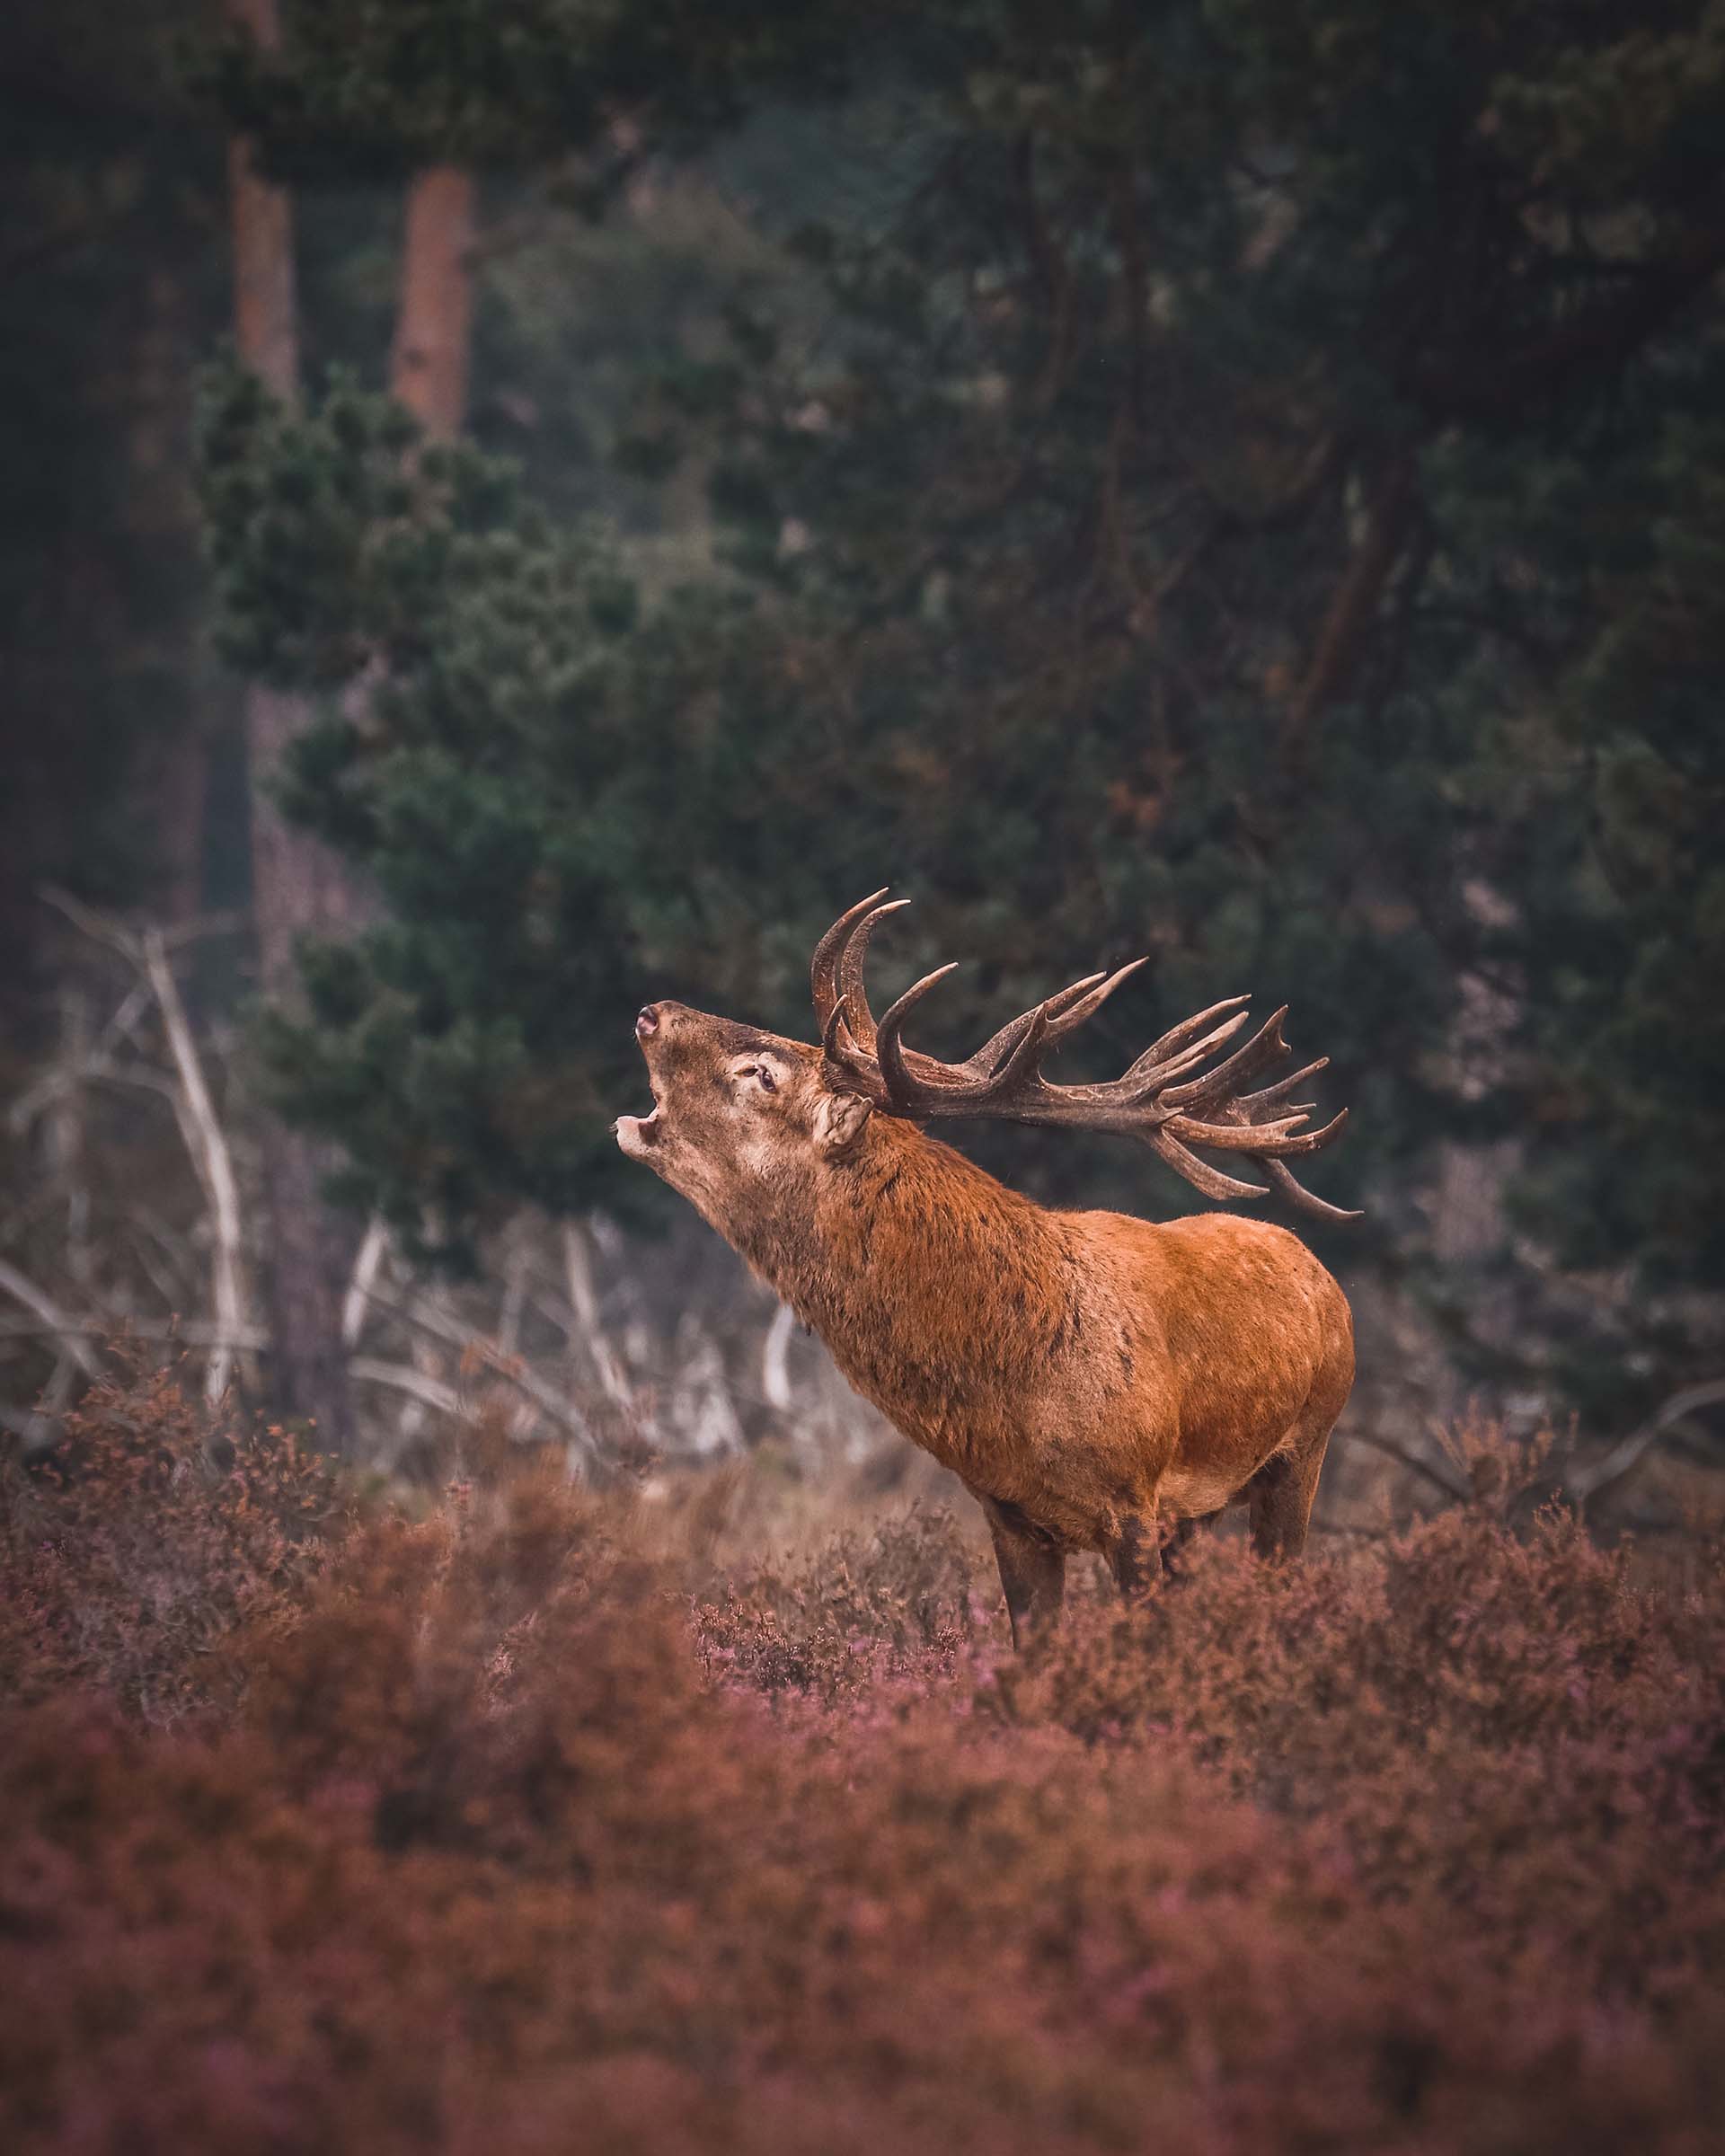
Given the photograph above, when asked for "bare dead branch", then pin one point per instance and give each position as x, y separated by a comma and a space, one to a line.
56, 1323
775, 1369
366, 1260
191, 1332
1582, 1485
207, 1142
401, 1377
584, 1301
1451, 1485
422, 1312
61, 1077
100, 927
200, 1129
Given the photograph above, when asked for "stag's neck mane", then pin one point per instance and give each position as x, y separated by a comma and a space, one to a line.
909, 1260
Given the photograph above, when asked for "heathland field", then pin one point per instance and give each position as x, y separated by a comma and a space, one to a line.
536, 1820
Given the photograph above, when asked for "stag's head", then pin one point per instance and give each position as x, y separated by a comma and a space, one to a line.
740, 1115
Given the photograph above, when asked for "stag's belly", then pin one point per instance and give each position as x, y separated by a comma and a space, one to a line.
1195, 1493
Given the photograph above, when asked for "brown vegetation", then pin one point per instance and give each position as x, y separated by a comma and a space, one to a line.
541, 1821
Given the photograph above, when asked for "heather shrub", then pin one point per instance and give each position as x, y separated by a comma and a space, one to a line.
905, 1599
1471, 1722
523, 1826
133, 1552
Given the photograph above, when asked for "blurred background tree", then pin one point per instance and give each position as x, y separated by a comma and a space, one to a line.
1237, 481
114, 292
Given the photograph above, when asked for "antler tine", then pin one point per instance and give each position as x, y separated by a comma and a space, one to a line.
1147, 1076
1210, 1180
1177, 1038
987, 1058
1273, 1094
839, 1049
1063, 1006
849, 1028
1296, 1194
1085, 1005
823, 967
834, 1032
852, 954
1282, 1137
1264, 1046
904, 1090
1021, 1062
1063, 1012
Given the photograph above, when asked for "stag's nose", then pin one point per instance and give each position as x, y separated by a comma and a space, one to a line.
646, 1021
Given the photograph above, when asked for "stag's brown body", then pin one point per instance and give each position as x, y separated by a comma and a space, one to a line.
1097, 1381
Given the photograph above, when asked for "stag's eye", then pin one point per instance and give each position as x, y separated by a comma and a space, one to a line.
769, 1083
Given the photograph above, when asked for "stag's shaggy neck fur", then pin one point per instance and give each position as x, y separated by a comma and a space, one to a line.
946, 1298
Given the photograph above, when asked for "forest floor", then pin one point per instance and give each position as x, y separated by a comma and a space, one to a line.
529, 1820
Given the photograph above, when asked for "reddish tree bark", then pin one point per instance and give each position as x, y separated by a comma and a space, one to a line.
434, 325
299, 887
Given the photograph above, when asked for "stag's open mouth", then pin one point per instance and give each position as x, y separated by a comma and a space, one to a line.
638, 1134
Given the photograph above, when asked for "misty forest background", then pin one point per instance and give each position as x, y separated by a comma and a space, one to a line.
515, 510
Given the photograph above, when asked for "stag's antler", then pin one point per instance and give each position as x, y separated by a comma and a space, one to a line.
1155, 1099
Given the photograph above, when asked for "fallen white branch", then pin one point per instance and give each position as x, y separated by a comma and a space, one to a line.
207, 1142
584, 1301
370, 1256
200, 1128
401, 1377
776, 1367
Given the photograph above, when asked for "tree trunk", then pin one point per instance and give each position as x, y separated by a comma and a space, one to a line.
299, 887
174, 754
1353, 607
174, 785
434, 326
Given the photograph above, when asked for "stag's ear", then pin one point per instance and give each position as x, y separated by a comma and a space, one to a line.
840, 1119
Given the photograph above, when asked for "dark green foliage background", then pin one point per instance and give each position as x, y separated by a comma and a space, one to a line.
970, 513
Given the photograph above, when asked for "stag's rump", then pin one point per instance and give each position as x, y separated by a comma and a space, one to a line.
1255, 1344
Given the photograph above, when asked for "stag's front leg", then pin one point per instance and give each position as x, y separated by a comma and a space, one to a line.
1174, 1542
1032, 1570
1133, 1553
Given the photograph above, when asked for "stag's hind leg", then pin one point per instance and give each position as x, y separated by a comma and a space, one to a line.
1280, 1496
1032, 1570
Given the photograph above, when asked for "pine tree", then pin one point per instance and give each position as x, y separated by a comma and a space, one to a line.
1248, 498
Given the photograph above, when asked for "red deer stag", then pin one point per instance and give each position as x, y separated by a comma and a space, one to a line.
1091, 1378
